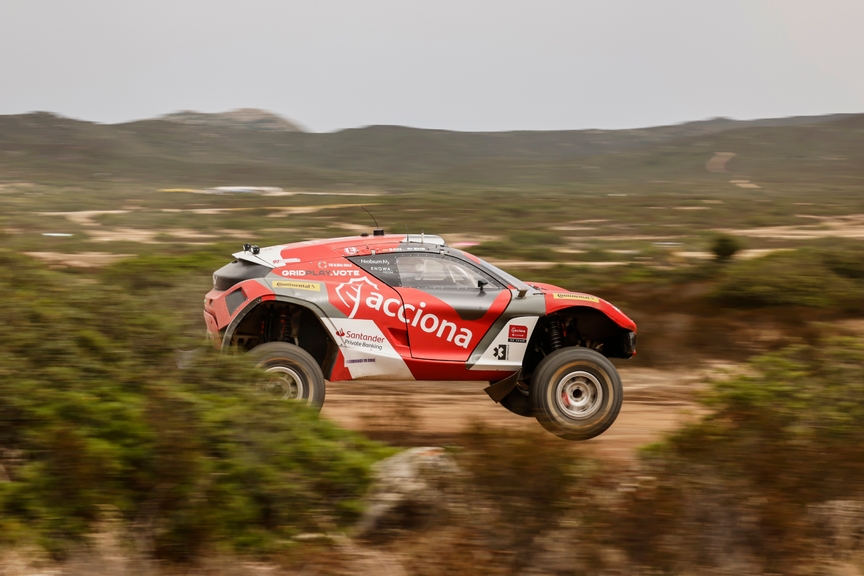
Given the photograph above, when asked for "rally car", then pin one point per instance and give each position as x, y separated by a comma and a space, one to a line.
408, 307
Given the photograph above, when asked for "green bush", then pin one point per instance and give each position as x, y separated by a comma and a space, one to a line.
743, 481
95, 413
724, 247
816, 278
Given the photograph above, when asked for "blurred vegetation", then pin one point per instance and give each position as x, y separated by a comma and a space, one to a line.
96, 414
743, 482
815, 277
724, 247
769, 481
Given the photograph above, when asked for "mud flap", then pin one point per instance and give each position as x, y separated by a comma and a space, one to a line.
500, 389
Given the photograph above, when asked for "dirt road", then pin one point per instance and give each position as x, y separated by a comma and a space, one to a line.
655, 402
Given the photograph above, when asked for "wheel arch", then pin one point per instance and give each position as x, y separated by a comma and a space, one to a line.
579, 326
283, 319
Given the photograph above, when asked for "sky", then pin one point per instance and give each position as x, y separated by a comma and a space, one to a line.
472, 65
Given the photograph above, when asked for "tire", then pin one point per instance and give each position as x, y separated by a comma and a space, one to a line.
518, 402
290, 373
576, 393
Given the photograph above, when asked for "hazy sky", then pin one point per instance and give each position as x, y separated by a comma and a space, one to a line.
464, 65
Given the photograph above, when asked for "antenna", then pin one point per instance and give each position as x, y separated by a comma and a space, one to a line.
378, 230
370, 215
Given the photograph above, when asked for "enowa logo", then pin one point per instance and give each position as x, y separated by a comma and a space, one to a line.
353, 294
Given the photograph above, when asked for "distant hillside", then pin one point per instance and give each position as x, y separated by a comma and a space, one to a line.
243, 118
250, 148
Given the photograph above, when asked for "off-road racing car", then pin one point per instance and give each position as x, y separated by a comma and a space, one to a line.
408, 307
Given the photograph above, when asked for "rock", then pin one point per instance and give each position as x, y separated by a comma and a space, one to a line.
410, 490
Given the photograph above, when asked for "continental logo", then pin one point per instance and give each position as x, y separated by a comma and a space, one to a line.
295, 285
582, 297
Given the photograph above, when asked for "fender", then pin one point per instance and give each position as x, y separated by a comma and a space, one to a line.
559, 299
252, 304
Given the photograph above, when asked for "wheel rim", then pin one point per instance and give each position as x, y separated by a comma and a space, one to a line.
283, 383
579, 394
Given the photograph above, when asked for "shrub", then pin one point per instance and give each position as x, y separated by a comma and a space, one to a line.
95, 413
826, 278
724, 247
741, 482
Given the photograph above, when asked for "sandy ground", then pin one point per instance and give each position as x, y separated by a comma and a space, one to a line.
741, 255
717, 164
849, 226
655, 402
84, 217
79, 259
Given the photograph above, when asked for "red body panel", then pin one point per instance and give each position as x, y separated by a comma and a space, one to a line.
559, 298
436, 332
436, 370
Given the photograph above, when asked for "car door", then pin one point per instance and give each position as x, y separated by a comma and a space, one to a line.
449, 304
373, 336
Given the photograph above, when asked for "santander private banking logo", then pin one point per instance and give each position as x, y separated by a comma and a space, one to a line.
354, 293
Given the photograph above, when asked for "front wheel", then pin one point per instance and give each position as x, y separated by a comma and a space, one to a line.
290, 373
576, 393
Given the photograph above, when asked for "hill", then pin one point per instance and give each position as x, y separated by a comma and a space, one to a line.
254, 147
243, 118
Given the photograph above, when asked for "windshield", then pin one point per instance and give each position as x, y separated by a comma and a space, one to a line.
508, 278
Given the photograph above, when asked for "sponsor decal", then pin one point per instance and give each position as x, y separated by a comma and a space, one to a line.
501, 352
296, 285
342, 273
583, 297
361, 340
360, 361
518, 334
323, 264
350, 250
363, 292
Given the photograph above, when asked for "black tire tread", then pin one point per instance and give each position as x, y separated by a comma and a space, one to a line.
273, 353
546, 413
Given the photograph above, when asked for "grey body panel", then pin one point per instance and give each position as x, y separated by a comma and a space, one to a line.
471, 304
534, 304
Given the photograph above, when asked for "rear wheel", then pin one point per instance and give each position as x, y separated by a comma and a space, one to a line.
290, 373
576, 393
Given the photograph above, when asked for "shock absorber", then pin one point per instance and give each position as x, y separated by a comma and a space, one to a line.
555, 337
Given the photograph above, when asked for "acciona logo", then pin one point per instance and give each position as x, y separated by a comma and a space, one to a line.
362, 291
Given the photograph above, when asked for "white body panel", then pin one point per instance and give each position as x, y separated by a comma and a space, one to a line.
367, 352
509, 346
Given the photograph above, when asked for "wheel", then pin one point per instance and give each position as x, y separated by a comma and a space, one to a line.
576, 393
518, 402
290, 373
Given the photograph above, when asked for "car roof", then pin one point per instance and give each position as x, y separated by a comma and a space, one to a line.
308, 250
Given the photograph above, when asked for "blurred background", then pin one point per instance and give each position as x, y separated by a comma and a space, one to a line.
699, 165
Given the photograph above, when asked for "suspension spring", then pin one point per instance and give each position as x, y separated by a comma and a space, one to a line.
555, 337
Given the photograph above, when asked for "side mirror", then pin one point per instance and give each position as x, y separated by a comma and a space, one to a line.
481, 283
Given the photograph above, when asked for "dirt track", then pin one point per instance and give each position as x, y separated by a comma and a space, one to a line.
655, 402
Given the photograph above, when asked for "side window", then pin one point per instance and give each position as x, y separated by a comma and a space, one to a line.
381, 267
429, 272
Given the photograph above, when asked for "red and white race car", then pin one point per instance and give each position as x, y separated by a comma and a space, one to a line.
408, 307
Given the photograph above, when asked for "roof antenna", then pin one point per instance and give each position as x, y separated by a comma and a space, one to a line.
378, 230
